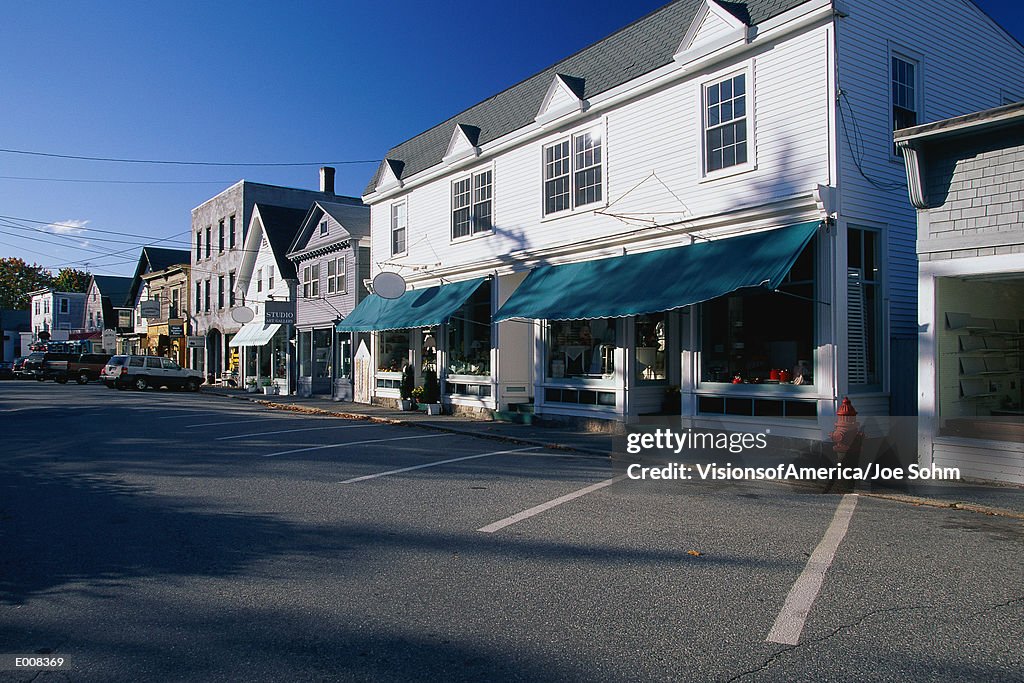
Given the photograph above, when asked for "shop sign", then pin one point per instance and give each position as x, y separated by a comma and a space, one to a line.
196, 342
279, 313
150, 308
110, 340
175, 330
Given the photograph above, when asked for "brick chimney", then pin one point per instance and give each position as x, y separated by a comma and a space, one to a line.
327, 179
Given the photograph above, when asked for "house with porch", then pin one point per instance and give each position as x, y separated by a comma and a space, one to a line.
715, 227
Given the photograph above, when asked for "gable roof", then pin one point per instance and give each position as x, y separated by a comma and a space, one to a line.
354, 219
280, 226
153, 259
643, 46
114, 288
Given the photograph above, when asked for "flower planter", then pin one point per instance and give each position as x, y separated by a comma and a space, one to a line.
407, 404
252, 389
433, 408
270, 391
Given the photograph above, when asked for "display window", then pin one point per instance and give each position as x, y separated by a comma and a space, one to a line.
581, 349
469, 335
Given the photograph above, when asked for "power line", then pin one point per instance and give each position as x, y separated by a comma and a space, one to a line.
79, 227
138, 241
120, 182
183, 163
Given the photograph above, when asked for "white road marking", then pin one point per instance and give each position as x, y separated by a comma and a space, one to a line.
289, 431
537, 509
188, 413
356, 443
790, 622
233, 422
435, 464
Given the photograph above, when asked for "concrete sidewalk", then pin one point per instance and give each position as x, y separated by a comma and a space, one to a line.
991, 499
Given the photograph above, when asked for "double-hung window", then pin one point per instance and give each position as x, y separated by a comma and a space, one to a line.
199, 296
336, 275
472, 207
726, 118
311, 281
259, 280
399, 227
270, 278
199, 244
209, 238
904, 93
231, 231
323, 228
574, 172
220, 291
220, 236
231, 288
206, 296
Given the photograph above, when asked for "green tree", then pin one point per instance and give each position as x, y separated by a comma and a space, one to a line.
72, 280
17, 279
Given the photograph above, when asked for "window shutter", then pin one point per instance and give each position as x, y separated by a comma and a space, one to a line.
857, 343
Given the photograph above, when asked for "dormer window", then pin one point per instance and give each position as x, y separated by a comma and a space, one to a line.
472, 207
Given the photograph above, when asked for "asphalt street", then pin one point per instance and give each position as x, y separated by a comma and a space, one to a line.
172, 536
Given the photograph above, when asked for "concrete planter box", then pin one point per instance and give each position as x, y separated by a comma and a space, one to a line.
433, 408
271, 391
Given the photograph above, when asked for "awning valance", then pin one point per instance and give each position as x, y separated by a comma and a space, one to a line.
660, 280
416, 308
254, 334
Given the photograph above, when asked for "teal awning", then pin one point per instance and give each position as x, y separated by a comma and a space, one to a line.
659, 280
415, 308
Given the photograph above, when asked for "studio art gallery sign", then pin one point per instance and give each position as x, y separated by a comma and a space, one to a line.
279, 313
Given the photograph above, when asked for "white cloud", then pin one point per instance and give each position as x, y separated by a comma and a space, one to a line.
69, 227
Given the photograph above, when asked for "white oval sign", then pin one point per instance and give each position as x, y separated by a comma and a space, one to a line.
389, 285
242, 314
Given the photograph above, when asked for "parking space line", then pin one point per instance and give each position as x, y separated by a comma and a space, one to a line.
435, 464
790, 623
537, 509
187, 413
235, 422
289, 431
356, 443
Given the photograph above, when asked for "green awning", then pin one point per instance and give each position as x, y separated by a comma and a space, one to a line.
659, 280
416, 308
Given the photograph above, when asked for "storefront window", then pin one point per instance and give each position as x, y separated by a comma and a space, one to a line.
343, 343
979, 355
864, 307
322, 354
763, 337
279, 346
651, 347
581, 348
393, 351
469, 335
428, 350
304, 350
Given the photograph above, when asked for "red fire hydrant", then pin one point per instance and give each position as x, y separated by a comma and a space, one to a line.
846, 436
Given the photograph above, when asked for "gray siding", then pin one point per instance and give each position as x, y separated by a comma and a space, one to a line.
976, 189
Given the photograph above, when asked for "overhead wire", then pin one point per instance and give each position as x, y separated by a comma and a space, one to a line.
174, 162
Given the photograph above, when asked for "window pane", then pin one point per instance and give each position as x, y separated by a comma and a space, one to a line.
469, 335
581, 348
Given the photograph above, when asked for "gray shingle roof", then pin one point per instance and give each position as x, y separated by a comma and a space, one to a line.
641, 47
279, 226
115, 288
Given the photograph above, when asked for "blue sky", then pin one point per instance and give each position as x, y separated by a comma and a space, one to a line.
266, 82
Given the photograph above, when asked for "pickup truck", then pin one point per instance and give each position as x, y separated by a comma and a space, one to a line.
83, 368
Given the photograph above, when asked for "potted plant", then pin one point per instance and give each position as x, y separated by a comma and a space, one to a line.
269, 389
431, 392
407, 387
250, 385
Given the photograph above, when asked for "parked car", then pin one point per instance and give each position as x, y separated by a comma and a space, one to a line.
33, 365
55, 366
142, 372
17, 367
6, 369
82, 368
